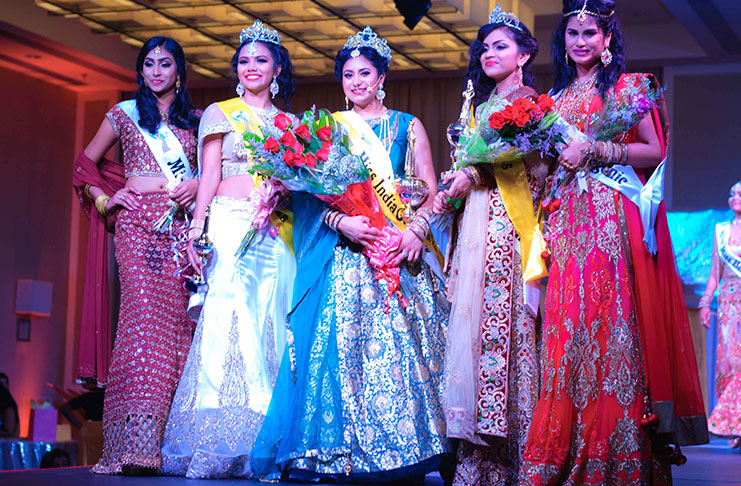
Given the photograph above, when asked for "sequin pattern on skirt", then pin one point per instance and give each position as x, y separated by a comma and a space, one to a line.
152, 340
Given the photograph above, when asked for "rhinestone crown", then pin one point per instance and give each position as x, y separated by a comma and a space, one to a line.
258, 32
367, 38
499, 16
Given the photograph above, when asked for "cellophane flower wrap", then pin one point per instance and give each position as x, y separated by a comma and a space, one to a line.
313, 156
510, 130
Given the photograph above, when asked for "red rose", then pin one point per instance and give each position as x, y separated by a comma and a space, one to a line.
298, 148
288, 139
310, 160
508, 113
303, 132
496, 121
521, 118
282, 121
323, 153
546, 104
324, 133
299, 160
272, 145
288, 157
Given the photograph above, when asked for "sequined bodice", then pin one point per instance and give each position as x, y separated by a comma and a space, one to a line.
137, 157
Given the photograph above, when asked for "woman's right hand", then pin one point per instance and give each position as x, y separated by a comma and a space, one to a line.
126, 198
358, 230
194, 258
441, 205
705, 317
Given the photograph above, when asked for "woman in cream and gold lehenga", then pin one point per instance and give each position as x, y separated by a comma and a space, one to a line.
228, 379
492, 355
358, 396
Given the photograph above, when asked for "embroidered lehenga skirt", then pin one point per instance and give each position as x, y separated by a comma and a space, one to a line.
152, 339
725, 421
370, 406
228, 380
492, 361
587, 426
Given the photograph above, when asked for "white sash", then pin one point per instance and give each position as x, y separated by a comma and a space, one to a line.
722, 233
647, 197
165, 146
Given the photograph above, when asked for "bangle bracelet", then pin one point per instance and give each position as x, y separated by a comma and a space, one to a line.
197, 223
194, 232
705, 300
418, 232
86, 190
469, 175
476, 174
100, 204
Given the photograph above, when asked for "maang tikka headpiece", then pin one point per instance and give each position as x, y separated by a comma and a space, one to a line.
258, 32
499, 16
367, 38
581, 14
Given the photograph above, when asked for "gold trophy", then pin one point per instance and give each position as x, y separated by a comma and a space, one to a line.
458, 128
412, 190
203, 245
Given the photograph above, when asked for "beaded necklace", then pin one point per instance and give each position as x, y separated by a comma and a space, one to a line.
509, 90
574, 96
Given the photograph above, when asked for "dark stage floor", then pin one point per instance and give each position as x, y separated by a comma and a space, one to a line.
714, 464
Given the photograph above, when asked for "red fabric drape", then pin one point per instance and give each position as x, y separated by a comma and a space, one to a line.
94, 339
671, 368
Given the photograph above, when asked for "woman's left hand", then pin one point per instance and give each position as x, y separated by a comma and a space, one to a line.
460, 185
571, 157
185, 192
410, 248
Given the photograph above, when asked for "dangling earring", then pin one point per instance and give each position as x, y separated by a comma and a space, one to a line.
566, 56
606, 57
240, 89
380, 94
274, 88
177, 85
347, 103
519, 75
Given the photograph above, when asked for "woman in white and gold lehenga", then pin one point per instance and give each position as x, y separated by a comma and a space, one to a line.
228, 379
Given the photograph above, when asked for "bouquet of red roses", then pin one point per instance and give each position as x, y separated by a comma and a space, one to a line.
512, 130
313, 156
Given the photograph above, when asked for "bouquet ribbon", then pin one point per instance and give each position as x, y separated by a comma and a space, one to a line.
647, 196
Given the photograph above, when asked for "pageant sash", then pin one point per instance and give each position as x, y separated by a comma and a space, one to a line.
240, 115
165, 146
365, 143
722, 234
647, 197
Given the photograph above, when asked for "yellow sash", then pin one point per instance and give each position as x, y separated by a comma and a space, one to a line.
515, 192
238, 113
391, 204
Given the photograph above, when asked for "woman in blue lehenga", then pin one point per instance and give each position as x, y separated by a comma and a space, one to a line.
358, 395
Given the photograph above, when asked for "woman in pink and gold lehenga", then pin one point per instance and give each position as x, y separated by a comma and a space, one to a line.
156, 131
619, 377
725, 421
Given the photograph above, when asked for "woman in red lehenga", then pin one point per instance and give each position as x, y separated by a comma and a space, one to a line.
619, 376
156, 131
725, 421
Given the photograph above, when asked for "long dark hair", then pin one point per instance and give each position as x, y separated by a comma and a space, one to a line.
281, 57
182, 113
483, 85
378, 61
607, 75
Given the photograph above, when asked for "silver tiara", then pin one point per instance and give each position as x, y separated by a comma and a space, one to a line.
258, 32
367, 38
499, 16
581, 14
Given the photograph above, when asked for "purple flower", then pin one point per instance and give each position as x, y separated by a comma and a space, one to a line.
640, 103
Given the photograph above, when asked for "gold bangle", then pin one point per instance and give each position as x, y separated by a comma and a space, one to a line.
86, 190
100, 204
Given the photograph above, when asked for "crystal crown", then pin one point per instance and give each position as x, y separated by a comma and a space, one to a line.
367, 38
499, 16
258, 32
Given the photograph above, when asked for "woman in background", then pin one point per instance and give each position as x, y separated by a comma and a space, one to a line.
157, 134
725, 421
